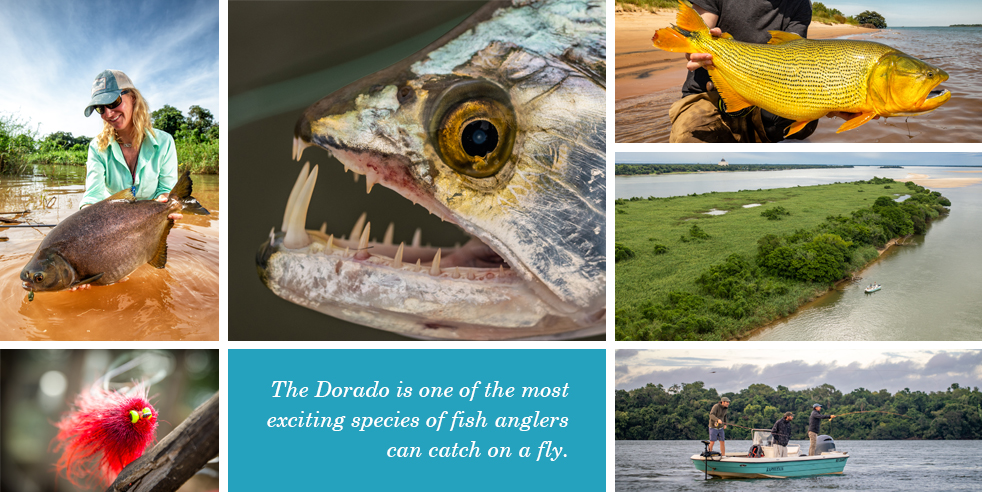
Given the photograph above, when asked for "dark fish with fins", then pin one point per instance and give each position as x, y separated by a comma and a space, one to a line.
106, 241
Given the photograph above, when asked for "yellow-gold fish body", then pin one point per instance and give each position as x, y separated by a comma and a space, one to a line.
803, 80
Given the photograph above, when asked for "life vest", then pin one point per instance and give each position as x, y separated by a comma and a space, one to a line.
756, 451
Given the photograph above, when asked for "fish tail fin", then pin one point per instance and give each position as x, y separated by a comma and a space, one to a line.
182, 193
678, 38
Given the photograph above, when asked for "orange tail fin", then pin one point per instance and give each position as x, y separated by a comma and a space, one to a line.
676, 38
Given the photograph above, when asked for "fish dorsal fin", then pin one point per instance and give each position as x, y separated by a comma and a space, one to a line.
90, 279
159, 259
126, 194
734, 102
781, 37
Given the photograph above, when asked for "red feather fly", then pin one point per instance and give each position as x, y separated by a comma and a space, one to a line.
105, 431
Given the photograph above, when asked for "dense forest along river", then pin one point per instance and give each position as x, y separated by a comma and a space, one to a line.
179, 302
872, 466
931, 288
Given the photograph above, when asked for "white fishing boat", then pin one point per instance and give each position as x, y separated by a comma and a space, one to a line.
762, 461
873, 288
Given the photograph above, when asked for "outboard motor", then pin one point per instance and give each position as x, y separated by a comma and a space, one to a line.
824, 444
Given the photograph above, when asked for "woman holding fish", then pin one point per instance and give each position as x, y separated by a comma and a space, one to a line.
129, 152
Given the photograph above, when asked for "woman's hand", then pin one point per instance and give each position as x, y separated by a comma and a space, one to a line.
163, 199
702, 60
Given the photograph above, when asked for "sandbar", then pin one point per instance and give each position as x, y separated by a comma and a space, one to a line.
929, 182
641, 69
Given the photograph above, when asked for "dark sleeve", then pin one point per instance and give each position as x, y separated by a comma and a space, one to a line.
711, 6
800, 17
776, 429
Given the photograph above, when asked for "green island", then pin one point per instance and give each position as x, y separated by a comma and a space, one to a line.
687, 271
681, 412
820, 13
646, 169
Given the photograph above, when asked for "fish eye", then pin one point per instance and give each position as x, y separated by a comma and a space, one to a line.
930, 74
38, 277
474, 129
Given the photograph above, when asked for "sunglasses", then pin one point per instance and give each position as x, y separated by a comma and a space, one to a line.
113, 105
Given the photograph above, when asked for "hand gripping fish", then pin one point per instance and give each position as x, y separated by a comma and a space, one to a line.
498, 127
803, 80
106, 241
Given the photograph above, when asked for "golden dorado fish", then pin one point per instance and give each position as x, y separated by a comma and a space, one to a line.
803, 80
499, 127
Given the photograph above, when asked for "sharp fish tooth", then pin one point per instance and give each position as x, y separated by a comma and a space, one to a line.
369, 183
456, 272
298, 147
359, 225
330, 242
357, 176
272, 235
419, 266
435, 268
324, 228
294, 194
389, 233
417, 238
363, 242
296, 236
397, 261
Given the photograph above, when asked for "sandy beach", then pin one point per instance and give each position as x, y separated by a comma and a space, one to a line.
641, 69
928, 182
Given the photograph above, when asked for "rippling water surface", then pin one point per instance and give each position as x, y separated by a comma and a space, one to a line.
872, 466
956, 50
931, 288
179, 302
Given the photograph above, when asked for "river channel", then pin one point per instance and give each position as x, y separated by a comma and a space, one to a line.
179, 302
931, 288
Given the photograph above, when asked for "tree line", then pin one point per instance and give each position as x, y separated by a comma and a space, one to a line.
681, 412
637, 169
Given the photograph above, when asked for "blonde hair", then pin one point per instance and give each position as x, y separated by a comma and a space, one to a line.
140, 119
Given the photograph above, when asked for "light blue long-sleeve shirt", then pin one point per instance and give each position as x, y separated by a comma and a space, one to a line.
156, 169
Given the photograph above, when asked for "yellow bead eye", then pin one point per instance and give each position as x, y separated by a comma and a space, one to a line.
147, 413
134, 416
474, 129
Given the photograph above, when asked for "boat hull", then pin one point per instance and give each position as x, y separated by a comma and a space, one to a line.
796, 466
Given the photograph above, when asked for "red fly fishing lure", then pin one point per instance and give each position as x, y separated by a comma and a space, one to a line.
104, 431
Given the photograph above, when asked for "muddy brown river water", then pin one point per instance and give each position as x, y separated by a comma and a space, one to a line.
179, 302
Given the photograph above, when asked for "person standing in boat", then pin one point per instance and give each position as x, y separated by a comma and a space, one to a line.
717, 425
782, 434
813, 422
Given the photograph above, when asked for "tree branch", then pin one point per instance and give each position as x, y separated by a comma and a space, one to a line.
177, 457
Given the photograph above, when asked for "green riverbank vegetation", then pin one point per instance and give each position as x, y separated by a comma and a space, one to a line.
684, 271
820, 13
22, 148
682, 412
645, 169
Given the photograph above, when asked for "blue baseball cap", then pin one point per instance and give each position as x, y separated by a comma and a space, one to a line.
107, 87
816, 405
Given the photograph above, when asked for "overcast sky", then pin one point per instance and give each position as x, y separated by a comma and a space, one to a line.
51, 51
854, 158
909, 13
733, 370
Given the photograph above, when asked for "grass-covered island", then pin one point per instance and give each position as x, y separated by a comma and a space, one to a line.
687, 271
646, 169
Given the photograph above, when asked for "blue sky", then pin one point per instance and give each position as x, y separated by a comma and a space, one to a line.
798, 369
854, 158
908, 13
51, 50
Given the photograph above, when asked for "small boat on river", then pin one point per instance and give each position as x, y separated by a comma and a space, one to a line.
873, 288
761, 461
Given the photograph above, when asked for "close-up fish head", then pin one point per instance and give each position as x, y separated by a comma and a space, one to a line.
47, 271
498, 128
901, 85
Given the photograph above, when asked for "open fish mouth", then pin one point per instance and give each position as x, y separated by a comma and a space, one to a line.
419, 291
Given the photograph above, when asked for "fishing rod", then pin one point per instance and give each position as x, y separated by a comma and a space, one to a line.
872, 411
27, 225
22, 212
